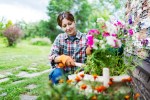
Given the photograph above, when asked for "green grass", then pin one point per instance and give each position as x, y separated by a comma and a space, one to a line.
26, 56
23, 55
14, 90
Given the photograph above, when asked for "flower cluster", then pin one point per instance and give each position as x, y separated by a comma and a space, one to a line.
108, 43
90, 90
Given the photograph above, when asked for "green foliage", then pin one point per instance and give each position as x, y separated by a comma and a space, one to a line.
9, 23
25, 55
107, 58
107, 55
13, 33
65, 91
40, 41
2, 26
33, 30
21, 58
54, 8
82, 15
61, 92
95, 14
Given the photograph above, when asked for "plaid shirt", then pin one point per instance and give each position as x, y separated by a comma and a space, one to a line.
75, 48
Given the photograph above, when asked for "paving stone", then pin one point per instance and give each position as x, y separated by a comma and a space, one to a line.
32, 68
31, 86
28, 75
3, 80
8, 73
18, 67
33, 64
3, 94
27, 97
16, 82
2, 76
22, 73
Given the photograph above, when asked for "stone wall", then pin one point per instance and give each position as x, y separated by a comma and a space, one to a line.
137, 17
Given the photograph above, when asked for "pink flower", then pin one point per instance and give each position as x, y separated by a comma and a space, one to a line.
114, 35
90, 41
118, 24
93, 32
130, 32
105, 34
115, 24
113, 41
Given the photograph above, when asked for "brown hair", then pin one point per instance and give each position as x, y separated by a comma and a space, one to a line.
63, 15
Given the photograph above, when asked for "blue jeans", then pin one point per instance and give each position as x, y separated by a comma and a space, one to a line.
55, 75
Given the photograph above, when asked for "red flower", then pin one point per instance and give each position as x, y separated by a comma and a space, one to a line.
127, 79
100, 88
130, 31
83, 86
93, 32
105, 34
94, 76
110, 83
77, 79
111, 79
82, 75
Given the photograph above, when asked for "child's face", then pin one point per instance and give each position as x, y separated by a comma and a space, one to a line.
68, 27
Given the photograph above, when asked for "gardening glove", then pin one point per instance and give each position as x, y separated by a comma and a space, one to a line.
88, 50
60, 65
67, 60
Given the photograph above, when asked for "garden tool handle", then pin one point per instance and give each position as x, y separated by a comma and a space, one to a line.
61, 65
79, 64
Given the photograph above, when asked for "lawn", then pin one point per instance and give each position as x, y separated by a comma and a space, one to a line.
21, 58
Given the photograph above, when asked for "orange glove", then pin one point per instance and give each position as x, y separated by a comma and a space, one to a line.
61, 65
67, 60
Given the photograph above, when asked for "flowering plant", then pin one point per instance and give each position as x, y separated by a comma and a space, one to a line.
108, 46
73, 89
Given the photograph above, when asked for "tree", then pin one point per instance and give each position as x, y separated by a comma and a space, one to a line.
9, 23
13, 33
2, 25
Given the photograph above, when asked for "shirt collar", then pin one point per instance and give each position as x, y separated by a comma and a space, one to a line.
78, 35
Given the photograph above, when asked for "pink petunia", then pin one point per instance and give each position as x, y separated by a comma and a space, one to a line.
130, 32
93, 32
113, 41
105, 34
90, 41
118, 24
114, 35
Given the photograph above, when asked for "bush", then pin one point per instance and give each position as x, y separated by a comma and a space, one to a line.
40, 41
13, 34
